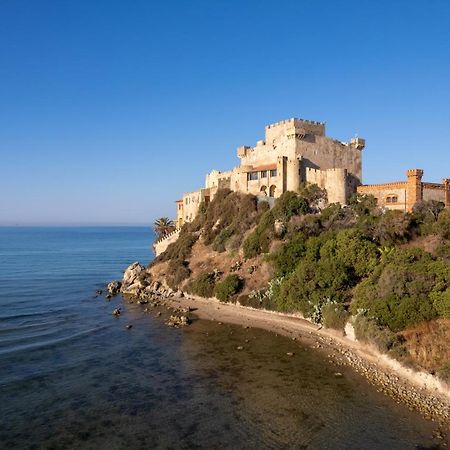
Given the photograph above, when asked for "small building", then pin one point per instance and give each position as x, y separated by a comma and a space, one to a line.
403, 195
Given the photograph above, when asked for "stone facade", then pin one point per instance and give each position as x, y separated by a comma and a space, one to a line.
293, 151
403, 195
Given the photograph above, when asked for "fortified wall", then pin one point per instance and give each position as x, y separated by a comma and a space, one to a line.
292, 151
403, 195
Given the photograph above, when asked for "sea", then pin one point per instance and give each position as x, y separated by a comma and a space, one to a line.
73, 376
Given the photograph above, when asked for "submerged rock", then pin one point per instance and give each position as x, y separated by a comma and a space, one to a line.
114, 287
178, 321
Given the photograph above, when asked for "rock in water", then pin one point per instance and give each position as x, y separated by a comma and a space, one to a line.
178, 321
132, 273
116, 312
114, 287
135, 279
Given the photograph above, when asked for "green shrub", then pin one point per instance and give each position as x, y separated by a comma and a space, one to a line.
181, 248
444, 372
443, 251
286, 258
178, 272
368, 330
313, 194
393, 227
259, 240
442, 225
251, 301
406, 288
202, 285
362, 204
229, 287
286, 206
441, 302
221, 239
334, 316
290, 204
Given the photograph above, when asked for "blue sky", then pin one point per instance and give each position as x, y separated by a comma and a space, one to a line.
109, 110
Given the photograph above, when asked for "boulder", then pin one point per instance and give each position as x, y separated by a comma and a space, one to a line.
132, 273
114, 287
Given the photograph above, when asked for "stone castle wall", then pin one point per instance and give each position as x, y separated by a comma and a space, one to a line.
293, 151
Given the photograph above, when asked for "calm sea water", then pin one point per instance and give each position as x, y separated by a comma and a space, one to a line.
73, 376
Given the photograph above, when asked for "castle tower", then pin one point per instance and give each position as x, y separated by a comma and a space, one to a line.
281, 175
293, 174
414, 188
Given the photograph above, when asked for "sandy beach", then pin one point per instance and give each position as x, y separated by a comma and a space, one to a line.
418, 390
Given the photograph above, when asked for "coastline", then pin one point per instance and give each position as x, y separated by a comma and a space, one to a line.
418, 390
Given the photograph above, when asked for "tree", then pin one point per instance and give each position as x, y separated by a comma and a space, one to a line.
314, 195
163, 226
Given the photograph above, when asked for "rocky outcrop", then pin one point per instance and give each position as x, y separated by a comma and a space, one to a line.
135, 278
137, 283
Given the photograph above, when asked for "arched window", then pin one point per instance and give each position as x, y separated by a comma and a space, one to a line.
272, 190
263, 190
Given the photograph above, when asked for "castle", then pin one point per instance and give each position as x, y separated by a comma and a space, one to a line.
293, 151
296, 151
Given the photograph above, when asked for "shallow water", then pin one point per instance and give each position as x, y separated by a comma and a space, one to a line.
72, 375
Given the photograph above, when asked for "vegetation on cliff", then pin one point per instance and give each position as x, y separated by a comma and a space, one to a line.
388, 270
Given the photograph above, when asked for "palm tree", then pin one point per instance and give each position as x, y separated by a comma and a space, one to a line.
163, 226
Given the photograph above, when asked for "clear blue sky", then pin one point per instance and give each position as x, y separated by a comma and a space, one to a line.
109, 110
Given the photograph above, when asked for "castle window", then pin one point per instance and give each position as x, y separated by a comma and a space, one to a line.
391, 199
273, 173
263, 173
252, 176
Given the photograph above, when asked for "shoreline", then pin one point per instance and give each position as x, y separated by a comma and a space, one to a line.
417, 390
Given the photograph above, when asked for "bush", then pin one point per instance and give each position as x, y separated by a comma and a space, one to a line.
334, 316
287, 205
313, 194
442, 225
229, 213
221, 239
362, 204
392, 227
178, 272
251, 301
203, 285
408, 287
368, 330
441, 302
229, 287
259, 240
444, 372
180, 249
286, 258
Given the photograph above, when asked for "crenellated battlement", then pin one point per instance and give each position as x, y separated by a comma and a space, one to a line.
294, 121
